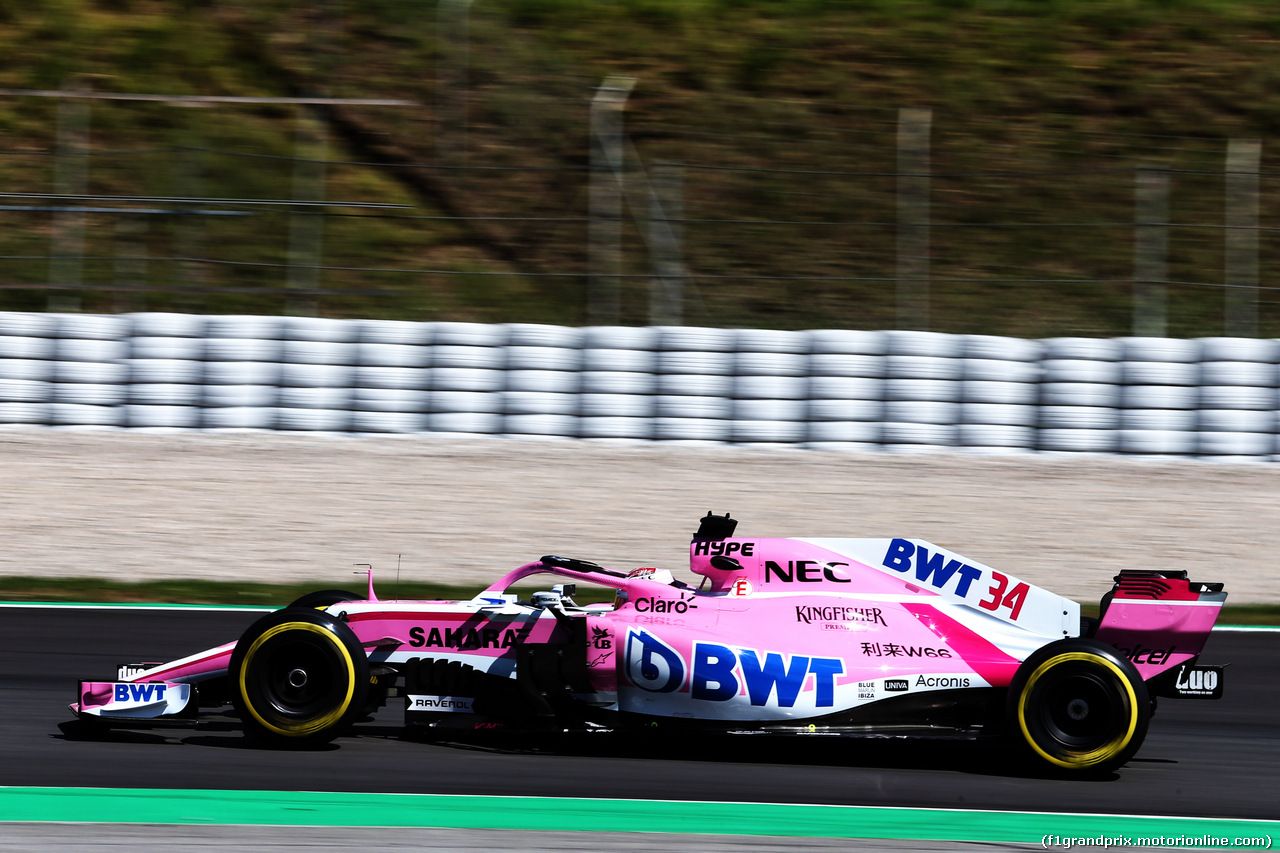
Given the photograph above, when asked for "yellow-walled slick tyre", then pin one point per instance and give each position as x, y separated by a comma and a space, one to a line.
1079, 706
298, 677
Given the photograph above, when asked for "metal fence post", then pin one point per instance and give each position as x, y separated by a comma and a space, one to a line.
913, 218
666, 209
71, 178
1150, 252
1241, 274
605, 225
306, 227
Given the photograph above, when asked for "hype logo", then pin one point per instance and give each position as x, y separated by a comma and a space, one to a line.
653, 665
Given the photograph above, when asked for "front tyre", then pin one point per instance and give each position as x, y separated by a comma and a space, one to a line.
1080, 706
298, 677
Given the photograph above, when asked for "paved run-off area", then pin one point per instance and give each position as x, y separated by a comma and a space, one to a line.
269, 507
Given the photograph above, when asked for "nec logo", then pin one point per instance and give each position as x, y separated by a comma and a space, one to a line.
805, 571
139, 692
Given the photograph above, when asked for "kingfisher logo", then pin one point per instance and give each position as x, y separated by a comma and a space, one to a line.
652, 665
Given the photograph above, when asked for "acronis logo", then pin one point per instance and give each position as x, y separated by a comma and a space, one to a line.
652, 665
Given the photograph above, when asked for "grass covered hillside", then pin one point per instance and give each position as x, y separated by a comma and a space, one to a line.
778, 120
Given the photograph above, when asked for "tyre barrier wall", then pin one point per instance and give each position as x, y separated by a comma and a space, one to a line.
900, 391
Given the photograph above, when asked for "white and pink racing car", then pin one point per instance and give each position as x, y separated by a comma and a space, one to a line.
877, 637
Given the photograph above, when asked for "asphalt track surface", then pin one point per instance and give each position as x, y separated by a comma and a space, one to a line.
1208, 759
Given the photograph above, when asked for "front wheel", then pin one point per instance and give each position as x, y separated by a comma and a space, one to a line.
299, 677
1080, 706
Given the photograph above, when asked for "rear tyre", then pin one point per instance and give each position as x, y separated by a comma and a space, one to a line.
1079, 706
299, 677
322, 598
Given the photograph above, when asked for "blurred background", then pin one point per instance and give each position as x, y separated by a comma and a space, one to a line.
1030, 168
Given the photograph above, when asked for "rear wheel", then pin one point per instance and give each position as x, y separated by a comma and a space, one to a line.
322, 598
299, 676
1080, 706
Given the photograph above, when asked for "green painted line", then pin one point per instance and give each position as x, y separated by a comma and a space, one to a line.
282, 808
122, 605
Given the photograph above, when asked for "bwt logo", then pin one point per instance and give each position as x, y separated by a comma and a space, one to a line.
139, 692
719, 673
933, 569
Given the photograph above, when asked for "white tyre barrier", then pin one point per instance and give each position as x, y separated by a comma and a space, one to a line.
392, 378
615, 427
319, 330
999, 414
680, 406
30, 369
239, 418
620, 338
464, 423
1078, 440
313, 420
1235, 443
701, 363
90, 349
779, 432
845, 388
315, 398
619, 360
1087, 349
162, 417
925, 344
466, 379
694, 339
394, 333
25, 324
1009, 393
996, 370
1079, 417
539, 403
388, 400
25, 391
1078, 370
89, 393
996, 435
467, 357
998, 348
695, 385
319, 352
937, 435
1079, 394
923, 367
244, 327
1236, 420
100, 327
1253, 373
316, 375
241, 373
543, 358
403, 423
920, 412
26, 346
846, 410
1160, 397
466, 334
771, 387
1239, 349
79, 414
243, 349
770, 410
613, 382
181, 349
1166, 350
164, 371
1161, 420
617, 406
547, 381
691, 429
561, 426
921, 390
843, 446
240, 396
770, 340
770, 364
1159, 373
370, 354
148, 394
538, 335
1237, 397
847, 342
860, 432
28, 414
1157, 442
461, 402
842, 364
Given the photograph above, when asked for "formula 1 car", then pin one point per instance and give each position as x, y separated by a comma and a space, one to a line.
871, 637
